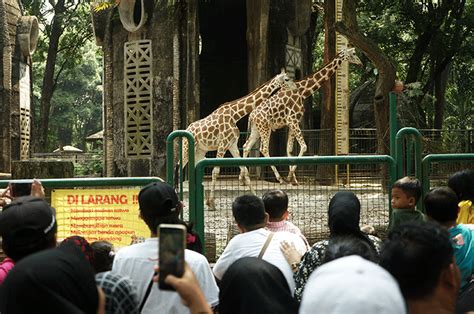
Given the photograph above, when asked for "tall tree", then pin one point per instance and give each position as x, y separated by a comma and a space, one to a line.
386, 70
66, 27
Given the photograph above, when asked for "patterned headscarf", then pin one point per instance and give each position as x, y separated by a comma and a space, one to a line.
120, 293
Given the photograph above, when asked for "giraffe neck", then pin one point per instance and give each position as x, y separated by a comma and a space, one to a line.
307, 86
243, 106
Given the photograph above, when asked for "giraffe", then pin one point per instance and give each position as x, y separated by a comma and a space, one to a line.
285, 108
219, 131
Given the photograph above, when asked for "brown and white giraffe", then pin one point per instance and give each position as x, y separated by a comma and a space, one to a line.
285, 108
219, 131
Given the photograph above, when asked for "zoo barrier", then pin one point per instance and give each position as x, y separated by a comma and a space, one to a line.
98, 213
429, 160
222, 216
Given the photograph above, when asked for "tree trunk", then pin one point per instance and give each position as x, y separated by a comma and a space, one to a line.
326, 143
48, 87
441, 81
386, 77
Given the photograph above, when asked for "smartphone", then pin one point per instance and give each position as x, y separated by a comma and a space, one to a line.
20, 188
171, 252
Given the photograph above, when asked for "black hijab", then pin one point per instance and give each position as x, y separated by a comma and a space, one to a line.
58, 280
252, 285
344, 216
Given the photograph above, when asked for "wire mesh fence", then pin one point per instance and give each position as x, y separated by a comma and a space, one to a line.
363, 141
439, 172
308, 201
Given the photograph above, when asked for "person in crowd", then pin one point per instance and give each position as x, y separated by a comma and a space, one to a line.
58, 280
405, 194
120, 293
188, 289
83, 245
352, 284
37, 190
276, 206
255, 241
27, 225
346, 245
441, 205
252, 285
421, 258
462, 183
343, 220
159, 204
104, 254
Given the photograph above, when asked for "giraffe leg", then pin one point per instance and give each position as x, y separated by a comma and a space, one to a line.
234, 150
296, 131
253, 138
265, 143
215, 174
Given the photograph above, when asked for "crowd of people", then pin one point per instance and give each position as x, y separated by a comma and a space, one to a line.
424, 265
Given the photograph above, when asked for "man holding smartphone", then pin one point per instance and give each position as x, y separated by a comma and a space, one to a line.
159, 204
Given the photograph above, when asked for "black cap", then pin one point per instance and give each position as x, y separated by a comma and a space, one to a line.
158, 197
26, 219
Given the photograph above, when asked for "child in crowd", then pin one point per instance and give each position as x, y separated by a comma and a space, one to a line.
276, 206
462, 183
441, 205
405, 195
104, 254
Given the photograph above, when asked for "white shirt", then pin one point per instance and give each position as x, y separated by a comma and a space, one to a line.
137, 262
250, 243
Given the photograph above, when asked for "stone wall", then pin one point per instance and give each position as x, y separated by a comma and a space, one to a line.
18, 36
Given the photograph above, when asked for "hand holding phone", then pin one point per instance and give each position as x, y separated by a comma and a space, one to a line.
20, 188
172, 243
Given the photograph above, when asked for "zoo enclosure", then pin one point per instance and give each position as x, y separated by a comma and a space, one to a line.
308, 202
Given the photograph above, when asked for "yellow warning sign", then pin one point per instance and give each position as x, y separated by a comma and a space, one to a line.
99, 214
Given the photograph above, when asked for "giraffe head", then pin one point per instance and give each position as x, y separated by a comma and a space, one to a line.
350, 55
283, 80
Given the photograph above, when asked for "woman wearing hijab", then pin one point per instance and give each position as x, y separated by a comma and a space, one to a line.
58, 280
252, 285
120, 293
343, 220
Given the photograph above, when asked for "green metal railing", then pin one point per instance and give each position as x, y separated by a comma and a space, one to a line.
284, 161
170, 178
392, 97
88, 182
414, 133
439, 158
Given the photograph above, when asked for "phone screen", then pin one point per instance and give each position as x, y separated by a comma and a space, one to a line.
171, 252
20, 189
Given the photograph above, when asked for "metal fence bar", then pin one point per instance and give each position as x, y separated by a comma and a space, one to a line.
399, 151
170, 166
429, 159
306, 160
88, 182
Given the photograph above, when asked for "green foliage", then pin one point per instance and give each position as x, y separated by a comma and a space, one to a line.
76, 106
93, 166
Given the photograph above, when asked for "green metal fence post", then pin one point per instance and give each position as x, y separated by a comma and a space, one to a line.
393, 121
170, 166
399, 150
399, 155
